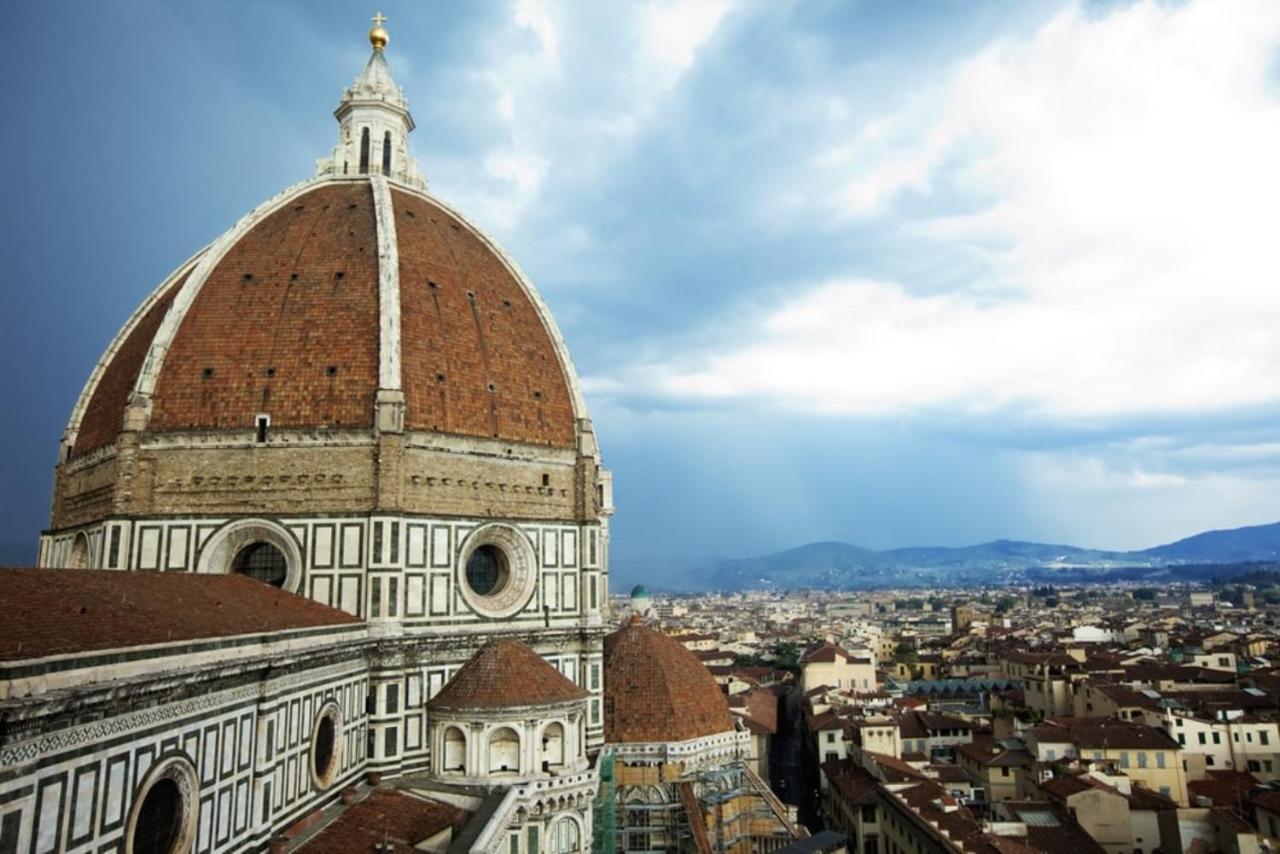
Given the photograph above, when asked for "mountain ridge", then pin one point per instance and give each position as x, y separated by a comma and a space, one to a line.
833, 564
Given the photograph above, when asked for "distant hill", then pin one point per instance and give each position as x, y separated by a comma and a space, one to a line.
1257, 542
836, 565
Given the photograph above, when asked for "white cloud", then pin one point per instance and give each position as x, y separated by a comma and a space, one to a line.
1127, 170
676, 29
1099, 500
571, 85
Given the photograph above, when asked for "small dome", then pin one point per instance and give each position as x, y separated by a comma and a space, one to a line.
504, 674
638, 592
656, 690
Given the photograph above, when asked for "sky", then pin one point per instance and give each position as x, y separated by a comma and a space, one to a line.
887, 273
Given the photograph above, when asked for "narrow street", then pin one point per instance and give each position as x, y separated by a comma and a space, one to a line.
792, 773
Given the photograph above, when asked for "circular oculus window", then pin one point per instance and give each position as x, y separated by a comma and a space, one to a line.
325, 746
487, 571
262, 562
163, 817
498, 571
258, 548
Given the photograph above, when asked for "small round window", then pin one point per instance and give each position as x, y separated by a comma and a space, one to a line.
324, 747
262, 561
487, 570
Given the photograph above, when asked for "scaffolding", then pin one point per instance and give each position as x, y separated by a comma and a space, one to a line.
605, 825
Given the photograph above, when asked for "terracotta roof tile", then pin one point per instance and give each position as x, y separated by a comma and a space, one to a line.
657, 690
298, 293
464, 316
64, 611
399, 819
104, 415
502, 674
288, 322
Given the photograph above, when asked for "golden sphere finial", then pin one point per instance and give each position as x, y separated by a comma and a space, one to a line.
378, 36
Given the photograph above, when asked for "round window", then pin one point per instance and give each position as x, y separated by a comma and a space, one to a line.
497, 571
487, 570
324, 747
159, 825
262, 561
322, 757
165, 809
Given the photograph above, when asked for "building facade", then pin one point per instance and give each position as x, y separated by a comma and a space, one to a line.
353, 399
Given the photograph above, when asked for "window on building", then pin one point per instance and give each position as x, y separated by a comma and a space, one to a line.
455, 749
1159, 760
1208, 760
386, 163
564, 838
364, 152
1142, 759
487, 570
1263, 737
504, 751
1217, 738
1124, 759
262, 562
324, 751
1200, 736
159, 822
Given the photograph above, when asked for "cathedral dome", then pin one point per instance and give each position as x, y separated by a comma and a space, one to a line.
656, 690
353, 300
353, 375
321, 298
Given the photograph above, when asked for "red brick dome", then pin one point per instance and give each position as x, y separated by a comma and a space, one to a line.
318, 302
505, 674
656, 690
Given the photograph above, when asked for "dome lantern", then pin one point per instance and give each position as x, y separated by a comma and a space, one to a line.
373, 122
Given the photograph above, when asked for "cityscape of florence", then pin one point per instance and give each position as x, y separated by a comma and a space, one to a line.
654, 426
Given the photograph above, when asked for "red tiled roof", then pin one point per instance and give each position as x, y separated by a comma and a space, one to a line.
477, 327
1104, 733
477, 358
64, 611
656, 690
104, 414
397, 818
300, 325
1224, 787
824, 653
855, 784
503, 674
